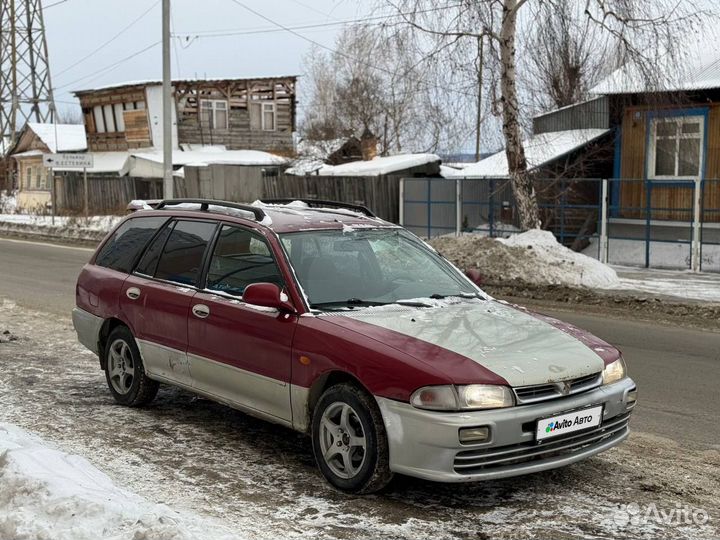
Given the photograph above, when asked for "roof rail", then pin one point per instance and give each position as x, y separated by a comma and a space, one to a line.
320, 203
206, 203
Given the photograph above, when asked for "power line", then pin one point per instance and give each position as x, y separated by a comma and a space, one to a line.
54, 4
110, 67
109, 41
330, 49
277, 27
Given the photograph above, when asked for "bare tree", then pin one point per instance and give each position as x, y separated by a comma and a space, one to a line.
566, 55
645, 32
70, 115
378, 80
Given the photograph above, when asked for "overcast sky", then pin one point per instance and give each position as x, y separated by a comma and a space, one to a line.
76, 28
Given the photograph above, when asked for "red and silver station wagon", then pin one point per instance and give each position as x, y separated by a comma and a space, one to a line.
322, 317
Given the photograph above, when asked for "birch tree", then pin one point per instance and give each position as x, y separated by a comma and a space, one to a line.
644, 32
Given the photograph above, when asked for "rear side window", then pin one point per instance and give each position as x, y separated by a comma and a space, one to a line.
122, 249
149, 261
181, 260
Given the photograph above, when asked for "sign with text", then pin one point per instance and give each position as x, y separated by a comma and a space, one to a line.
68, 161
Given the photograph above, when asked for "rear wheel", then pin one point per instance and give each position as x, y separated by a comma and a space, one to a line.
124, 370
349, 440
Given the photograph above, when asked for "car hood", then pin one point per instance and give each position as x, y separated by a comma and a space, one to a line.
517, 346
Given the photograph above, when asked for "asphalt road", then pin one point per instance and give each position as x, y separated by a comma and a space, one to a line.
677, 369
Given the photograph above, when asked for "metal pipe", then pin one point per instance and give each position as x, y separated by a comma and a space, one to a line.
166, 104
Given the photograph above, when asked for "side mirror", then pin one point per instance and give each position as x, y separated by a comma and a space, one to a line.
267, 295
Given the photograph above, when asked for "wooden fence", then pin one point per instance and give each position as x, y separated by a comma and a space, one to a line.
111, 194
106, 194
379, 193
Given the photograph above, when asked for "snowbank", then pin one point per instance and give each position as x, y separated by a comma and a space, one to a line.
8, 203
47, 493
533, 257
556, 264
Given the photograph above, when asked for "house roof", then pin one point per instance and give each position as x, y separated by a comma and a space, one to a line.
70, 137
698, 69
379, 165
539, 150
313, 155
155, 82
213, 155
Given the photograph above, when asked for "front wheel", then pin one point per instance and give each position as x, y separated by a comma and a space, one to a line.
349, 440
124, 370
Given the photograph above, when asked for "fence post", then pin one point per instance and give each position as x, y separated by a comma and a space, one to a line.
458, 207
491, 209
401, 197
603, 223
429, 209
86, 203
697, 216
648, 219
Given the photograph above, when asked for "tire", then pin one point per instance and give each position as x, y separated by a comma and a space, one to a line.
124, 370
344, 417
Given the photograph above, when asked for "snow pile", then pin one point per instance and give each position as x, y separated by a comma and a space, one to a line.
47, 493
560, 265
533, 257
8, 203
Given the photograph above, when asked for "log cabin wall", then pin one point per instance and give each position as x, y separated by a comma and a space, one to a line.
260, 114
674, 202
250, 114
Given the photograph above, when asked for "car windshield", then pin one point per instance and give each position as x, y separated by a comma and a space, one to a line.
368, 267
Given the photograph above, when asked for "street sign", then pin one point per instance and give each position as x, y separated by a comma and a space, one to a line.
68, 161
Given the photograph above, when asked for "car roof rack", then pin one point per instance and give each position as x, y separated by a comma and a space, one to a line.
205, 204
322, 203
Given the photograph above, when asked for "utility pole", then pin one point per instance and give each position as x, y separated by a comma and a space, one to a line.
478, 120
25, 86
167, 104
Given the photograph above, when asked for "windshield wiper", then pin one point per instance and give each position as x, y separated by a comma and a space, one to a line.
438, 296
350, 302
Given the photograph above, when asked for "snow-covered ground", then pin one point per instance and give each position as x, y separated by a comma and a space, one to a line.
686, 284
49, 494
92, 223
209, 463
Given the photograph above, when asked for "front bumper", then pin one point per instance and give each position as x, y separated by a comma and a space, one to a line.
425, 444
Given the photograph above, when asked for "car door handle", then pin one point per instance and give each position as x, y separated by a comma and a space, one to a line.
133, 293
201, 311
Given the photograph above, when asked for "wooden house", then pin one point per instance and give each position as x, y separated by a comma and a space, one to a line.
239, 114
30, 177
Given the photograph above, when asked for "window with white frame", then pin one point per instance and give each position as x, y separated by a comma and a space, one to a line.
214, 113
676, 147
263, 116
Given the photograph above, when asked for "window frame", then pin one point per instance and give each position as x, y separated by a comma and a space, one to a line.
210, 253
139, 255
272, 106
692, 117
213, 113
172, 222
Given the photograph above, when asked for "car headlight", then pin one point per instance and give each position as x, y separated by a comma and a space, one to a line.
462, 398
614, 371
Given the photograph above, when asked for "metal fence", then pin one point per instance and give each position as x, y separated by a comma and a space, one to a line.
651, 224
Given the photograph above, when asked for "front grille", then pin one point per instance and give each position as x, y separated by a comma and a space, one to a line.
542, 392
487, 459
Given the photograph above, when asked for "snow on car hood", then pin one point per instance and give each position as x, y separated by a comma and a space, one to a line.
515, 345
